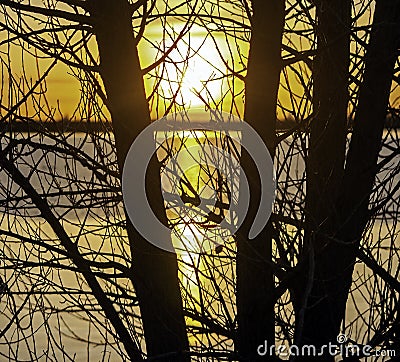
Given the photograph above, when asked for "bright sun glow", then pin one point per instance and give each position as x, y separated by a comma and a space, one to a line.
196, 82
200, 74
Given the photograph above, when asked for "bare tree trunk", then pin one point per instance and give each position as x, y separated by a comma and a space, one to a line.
335, 260
155, 272
366, 141
255, 280
325, 162
329, 128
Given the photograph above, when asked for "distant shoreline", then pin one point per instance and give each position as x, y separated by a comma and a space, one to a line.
65, 126
57, 127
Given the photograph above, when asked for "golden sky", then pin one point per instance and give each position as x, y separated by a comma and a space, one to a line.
63, 90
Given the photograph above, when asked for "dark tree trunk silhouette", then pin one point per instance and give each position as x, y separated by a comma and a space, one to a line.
155, 272
255, 305
325, 157
329, 128
336, 252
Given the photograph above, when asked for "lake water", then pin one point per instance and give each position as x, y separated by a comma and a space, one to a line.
72, 181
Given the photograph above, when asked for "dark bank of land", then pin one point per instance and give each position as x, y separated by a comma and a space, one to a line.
65, 126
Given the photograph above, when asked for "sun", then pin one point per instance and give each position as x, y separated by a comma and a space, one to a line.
200, 83
191, 74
